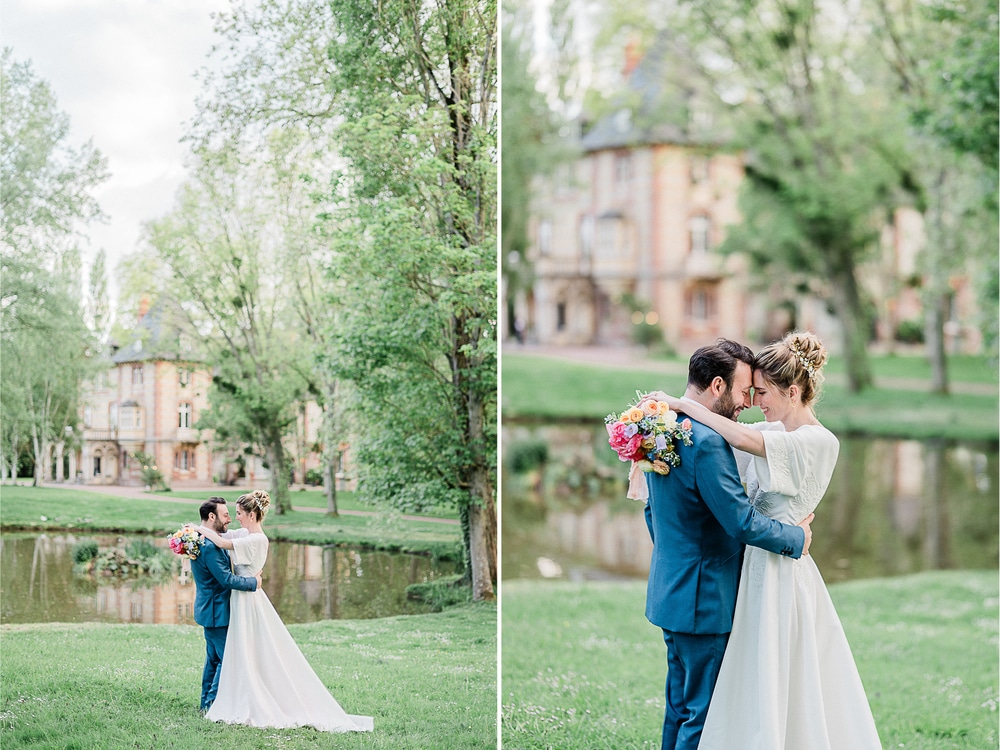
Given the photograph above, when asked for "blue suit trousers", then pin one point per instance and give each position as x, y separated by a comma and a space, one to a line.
693, 663
215, 647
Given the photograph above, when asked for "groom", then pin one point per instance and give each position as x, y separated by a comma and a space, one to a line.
699, 519
214, 581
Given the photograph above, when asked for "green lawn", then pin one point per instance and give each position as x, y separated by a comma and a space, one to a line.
429, 681
582, 668
536, 387
305, 498
46, 508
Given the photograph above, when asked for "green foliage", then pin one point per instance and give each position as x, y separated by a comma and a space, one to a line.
441, 593
47, 199
529, 142
415, 253
151, 475
143, 548
85, 551
525, 455
140, 558
910, 332
47, 194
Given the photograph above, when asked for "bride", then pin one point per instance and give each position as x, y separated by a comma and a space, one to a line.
788, 678
265, 679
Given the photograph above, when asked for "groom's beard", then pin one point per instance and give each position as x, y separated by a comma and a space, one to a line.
726, 406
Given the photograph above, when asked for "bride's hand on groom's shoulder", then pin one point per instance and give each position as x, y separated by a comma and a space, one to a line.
675, 404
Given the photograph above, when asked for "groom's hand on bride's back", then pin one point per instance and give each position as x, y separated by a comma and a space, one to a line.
259, 582
809, 534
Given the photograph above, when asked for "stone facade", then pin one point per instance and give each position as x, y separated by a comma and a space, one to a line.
629, 231
149, 400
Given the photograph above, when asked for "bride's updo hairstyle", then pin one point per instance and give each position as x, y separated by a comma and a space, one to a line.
797, 359
255, 503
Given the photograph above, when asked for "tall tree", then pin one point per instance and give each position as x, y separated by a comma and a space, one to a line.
824, 148
945, 61
529, 138
416, 87
46, 201
223, 246
408, 92
271, 75
98, 304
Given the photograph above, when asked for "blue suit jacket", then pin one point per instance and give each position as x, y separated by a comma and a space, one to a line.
214, 580
699, 519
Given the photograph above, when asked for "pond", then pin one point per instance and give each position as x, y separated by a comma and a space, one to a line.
304, 582
894, 507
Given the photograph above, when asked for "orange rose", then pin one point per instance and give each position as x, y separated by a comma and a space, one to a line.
635, 414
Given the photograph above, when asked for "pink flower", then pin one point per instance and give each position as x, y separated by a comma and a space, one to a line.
632, 450
617, 438
686, 424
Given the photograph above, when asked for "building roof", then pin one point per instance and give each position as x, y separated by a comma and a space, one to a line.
159, 336
654, 105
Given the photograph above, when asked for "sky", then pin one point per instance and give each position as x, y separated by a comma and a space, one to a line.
123, 70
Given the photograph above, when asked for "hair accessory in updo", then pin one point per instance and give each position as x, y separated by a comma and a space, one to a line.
258, 499
808, 366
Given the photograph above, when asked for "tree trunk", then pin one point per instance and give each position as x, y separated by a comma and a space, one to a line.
935, 311
279, 480
330, 486
854, 323
37, 478
482, 512
483, 540
331, 454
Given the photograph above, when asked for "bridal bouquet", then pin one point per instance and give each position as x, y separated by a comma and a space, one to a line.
647, 434
186, 541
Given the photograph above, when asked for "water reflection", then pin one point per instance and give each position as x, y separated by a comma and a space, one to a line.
305, 582
893, 507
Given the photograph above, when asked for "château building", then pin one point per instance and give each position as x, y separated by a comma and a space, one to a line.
148, 401
627, 235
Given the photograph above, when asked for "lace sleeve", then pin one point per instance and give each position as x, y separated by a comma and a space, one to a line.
796, 458
245, 549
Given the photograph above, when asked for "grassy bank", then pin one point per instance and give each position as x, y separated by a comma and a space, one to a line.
301, 498
44, 508
429, 681
545, 388
582, 668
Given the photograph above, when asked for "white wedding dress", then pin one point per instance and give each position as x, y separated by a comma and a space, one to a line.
265, 680
788, 678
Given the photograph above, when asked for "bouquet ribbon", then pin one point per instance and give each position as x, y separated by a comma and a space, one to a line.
637, 489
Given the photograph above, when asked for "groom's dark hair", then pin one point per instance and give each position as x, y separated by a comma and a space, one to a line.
717, 360
209, 507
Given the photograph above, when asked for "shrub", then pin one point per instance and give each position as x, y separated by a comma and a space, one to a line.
647, 335
526, 455
142, 549
85, 551
910, 332
441, 593
314, 477
152, 477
